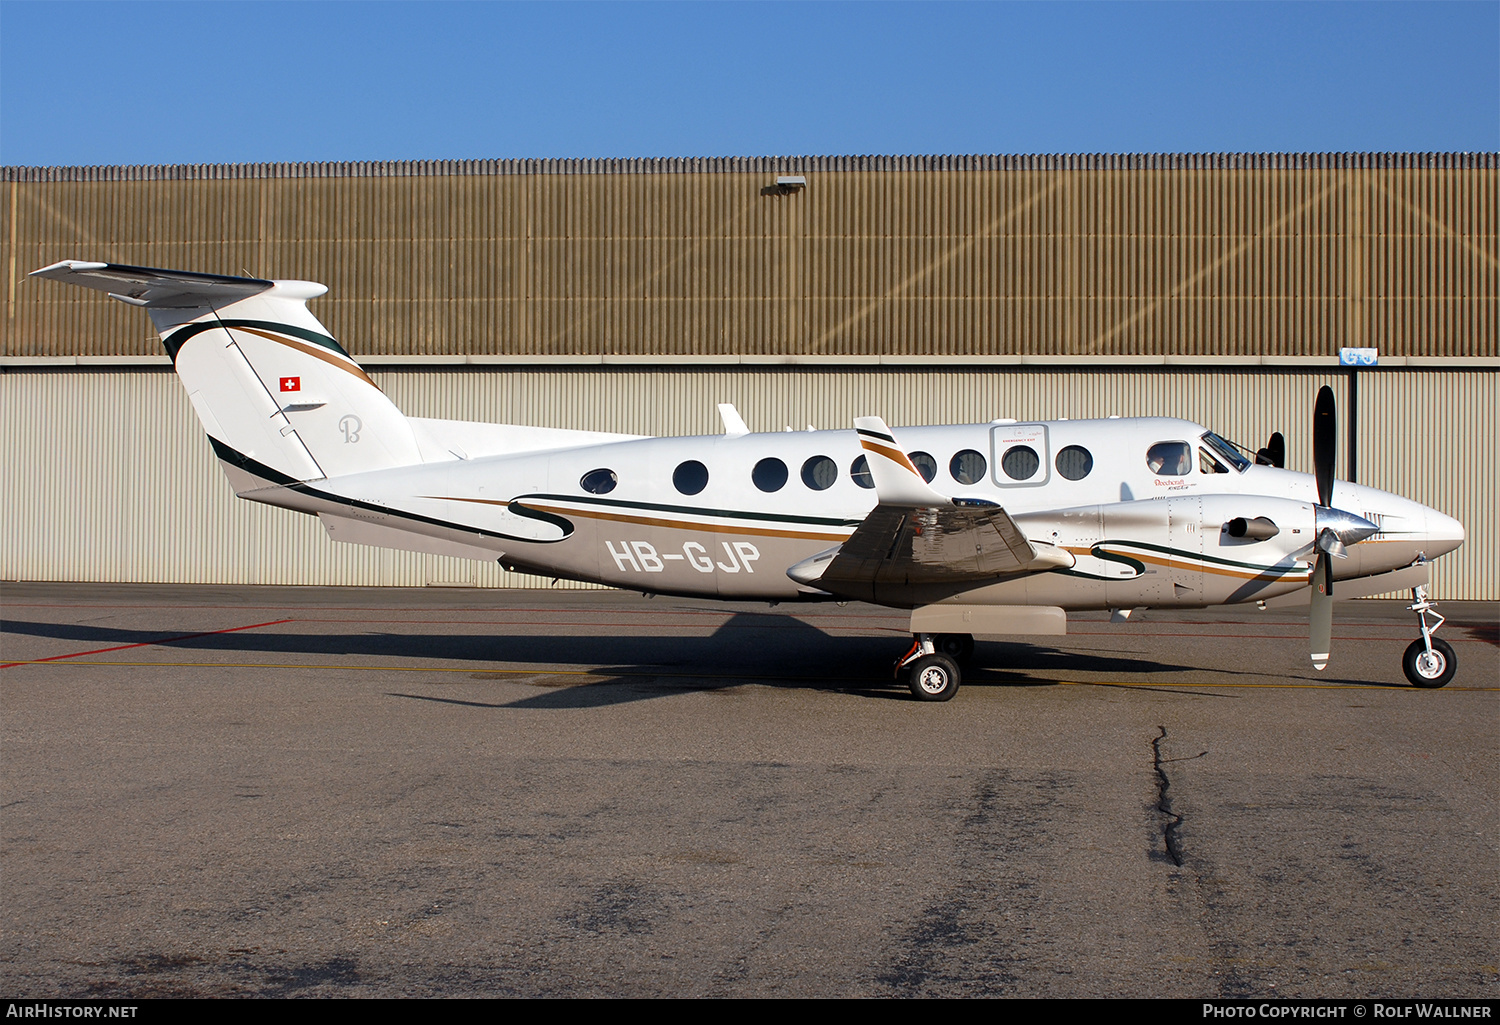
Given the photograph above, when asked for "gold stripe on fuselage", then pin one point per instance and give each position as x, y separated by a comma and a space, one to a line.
657, 521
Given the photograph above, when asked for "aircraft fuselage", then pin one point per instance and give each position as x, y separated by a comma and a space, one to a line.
724, 516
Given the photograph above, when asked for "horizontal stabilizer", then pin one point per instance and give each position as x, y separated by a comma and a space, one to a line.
155, 288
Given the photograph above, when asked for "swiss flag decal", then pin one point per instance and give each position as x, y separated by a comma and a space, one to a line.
291, 384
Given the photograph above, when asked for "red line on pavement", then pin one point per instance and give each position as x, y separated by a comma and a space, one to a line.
145, 644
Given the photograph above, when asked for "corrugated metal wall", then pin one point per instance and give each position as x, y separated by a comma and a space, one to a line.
108, 477
1091, 256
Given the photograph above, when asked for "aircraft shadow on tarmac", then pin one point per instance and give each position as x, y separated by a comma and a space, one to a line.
750, 647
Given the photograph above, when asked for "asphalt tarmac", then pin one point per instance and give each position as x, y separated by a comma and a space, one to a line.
218, 791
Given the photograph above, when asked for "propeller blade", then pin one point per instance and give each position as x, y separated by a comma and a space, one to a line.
1330, 543
1320, 613
1325, 444
1274, 454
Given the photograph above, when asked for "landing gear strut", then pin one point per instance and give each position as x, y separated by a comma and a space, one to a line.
958, 647
931, 675
1428, 662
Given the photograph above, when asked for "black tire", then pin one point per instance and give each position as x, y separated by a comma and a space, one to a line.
1429, 671
934, 678
958, 647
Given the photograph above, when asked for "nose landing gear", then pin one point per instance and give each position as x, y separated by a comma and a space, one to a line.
1428, 662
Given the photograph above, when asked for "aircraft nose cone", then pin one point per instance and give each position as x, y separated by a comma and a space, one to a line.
1443, 534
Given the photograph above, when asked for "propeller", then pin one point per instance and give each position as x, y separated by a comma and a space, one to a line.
1274, 454
1325, 444
1327, 545
1336, 528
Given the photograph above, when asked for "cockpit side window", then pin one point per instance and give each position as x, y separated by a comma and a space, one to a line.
1226, 452
1170, 458
1208, 464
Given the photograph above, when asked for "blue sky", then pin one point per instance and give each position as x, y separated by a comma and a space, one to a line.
126, 83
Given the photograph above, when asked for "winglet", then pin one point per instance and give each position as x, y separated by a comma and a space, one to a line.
897, 481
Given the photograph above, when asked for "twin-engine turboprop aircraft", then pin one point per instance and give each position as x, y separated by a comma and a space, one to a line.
992, 529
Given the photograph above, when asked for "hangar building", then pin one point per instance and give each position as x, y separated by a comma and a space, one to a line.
634, 295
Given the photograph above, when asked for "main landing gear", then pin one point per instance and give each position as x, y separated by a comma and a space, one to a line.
932, 665
1428, 662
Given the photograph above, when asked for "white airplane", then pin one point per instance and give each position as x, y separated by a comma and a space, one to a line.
993, 529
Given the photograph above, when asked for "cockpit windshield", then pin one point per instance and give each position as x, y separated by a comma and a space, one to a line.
1228, 450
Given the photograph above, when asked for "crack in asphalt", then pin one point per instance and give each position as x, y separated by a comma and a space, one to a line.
1164, 802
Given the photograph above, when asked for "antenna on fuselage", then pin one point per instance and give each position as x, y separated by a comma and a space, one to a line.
734, 424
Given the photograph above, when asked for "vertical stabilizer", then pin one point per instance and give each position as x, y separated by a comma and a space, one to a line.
279, 398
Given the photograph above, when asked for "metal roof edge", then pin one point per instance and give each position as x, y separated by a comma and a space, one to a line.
757, 165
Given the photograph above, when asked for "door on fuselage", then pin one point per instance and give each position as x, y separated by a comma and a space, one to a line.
1020, 456
1185, 533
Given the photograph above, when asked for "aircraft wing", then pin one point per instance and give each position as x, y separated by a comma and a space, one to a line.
916, 536
148, 286
900, 545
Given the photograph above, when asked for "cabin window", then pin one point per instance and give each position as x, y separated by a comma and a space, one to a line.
968, 467
690, 477
819, 473
1170, 458
769, 474
1075, 462
925, 464
1020, 462
598, 482
859, 473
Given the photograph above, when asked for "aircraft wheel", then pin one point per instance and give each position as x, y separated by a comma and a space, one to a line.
1429, 669
934, 678
958, 647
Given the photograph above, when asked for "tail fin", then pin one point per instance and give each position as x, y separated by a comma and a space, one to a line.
281, 401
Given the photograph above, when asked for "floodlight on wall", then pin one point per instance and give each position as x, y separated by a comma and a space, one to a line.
790, 183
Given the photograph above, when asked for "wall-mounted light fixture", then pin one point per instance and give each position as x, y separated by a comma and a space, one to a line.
790, 183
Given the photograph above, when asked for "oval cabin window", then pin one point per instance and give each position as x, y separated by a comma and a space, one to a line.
598, 482
1170, 458
690, 477
925, 464
769, 474
1020, 462
1074, 462
819, 473
968, 467
859, 473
